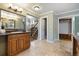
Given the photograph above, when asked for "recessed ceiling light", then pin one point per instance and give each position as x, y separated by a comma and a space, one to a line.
36, 8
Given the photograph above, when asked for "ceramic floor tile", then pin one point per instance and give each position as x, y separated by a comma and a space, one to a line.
44, 48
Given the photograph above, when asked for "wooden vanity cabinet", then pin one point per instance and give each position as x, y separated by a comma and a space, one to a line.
18, 43
75, 47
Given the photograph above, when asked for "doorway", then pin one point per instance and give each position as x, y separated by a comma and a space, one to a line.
65, 28
44, 28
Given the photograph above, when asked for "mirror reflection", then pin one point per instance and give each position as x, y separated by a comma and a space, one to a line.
11, 21
31, 22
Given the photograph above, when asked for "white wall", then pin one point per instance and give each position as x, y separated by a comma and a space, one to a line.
50, 27
42, 29
50, 31
55, 27
63, 27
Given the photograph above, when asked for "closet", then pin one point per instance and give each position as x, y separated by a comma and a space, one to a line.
65, 28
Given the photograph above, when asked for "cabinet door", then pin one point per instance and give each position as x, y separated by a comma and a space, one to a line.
12, 46
17, 43
20, 43
26, 42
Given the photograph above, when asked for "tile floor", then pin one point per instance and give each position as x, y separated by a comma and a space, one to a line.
44, 48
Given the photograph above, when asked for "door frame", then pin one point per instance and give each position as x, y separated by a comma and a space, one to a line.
73, 24
69, 21
72, 17
41, 18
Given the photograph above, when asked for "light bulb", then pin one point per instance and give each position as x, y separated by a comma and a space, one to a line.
10, 5
20, 9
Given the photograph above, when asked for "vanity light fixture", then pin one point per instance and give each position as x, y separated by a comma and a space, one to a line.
15, 8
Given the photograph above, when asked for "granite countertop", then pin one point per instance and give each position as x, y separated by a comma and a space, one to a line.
12, 33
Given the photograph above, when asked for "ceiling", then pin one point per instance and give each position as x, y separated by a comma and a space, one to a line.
58, 8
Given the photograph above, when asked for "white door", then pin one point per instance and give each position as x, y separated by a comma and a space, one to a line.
42, 29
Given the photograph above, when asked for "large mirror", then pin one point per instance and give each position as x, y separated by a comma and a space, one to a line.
12, 21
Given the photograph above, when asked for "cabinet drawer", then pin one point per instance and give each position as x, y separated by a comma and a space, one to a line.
22, 35
12, 36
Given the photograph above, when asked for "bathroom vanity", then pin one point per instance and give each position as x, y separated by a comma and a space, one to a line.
13, 35
13, 43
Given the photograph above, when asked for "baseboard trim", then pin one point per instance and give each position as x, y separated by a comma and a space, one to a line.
52, 41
